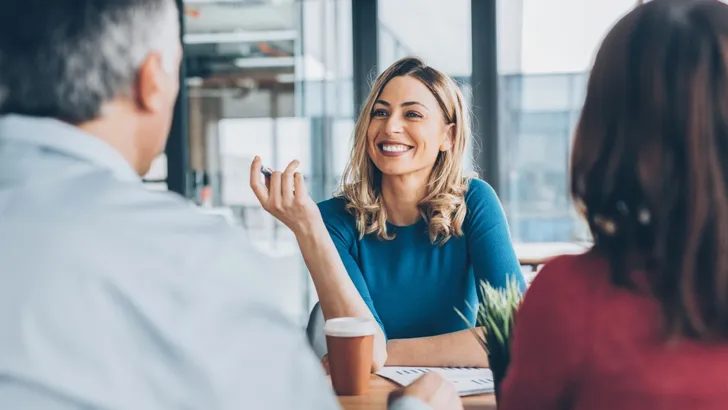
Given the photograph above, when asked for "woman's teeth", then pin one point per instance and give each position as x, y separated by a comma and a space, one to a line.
395, 148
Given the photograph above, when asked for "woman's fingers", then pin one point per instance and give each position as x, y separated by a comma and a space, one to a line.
301, 194
260, 190
287, 183
292, 166
275, 199
281, 190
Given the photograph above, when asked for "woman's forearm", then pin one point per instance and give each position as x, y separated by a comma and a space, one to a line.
337, 294
457, 349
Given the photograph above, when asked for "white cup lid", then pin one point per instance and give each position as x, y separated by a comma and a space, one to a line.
350, 327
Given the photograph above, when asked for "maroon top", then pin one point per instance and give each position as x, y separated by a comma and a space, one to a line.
582, 343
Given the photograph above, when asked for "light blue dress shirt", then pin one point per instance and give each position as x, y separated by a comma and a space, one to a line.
115, 297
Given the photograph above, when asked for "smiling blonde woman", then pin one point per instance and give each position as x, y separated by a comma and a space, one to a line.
407, 236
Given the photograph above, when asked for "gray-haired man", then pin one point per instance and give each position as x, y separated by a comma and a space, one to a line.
111, 296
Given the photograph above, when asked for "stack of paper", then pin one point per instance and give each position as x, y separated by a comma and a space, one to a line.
468, 381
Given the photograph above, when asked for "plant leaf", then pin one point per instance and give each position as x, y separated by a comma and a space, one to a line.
496, 314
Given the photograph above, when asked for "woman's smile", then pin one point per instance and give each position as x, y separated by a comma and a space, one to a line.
390, 149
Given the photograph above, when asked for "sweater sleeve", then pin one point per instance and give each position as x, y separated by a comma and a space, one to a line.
489, 240
340, 227
550, 338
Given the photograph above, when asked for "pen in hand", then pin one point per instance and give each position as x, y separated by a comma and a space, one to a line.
266, 171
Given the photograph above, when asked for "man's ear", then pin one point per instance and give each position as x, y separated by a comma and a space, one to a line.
449, 140
150, 84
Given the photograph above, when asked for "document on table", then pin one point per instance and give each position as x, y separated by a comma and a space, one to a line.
468, 381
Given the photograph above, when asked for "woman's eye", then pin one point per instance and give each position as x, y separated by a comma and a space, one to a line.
379, 113
413, 114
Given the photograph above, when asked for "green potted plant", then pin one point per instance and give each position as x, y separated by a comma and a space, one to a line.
496, 316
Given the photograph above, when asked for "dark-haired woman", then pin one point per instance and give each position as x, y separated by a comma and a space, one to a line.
641, 320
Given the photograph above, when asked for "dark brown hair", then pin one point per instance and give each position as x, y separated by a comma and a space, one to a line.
650, 158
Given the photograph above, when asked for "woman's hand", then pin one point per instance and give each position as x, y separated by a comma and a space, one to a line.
432, 389
284, 196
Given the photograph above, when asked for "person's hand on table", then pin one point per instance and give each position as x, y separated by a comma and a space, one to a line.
431, 389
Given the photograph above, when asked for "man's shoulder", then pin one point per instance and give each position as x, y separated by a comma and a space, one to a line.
95, 206
106, 229
165, 234
133, 204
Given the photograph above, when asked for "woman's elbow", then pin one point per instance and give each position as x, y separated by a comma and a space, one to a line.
379, 359
379, 356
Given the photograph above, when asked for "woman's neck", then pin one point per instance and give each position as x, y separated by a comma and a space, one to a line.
401, 196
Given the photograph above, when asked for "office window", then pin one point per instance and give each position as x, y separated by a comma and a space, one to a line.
272, 79
545, 50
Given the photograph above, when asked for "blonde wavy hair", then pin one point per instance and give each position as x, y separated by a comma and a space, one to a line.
443, 207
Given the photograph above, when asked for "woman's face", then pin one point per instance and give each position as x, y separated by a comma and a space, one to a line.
407, 129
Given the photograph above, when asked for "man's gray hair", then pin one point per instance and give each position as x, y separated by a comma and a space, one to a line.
66, 58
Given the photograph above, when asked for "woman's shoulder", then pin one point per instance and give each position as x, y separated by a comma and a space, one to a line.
484, 209
335, 215
573, 271
566, 287
578, 280
333, 206
480, 192
555, 324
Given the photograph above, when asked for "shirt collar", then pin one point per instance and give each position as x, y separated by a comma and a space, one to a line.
63, 137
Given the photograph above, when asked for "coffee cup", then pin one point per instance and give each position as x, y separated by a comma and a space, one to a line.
350, 344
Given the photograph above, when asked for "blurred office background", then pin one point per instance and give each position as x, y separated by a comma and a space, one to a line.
284, 78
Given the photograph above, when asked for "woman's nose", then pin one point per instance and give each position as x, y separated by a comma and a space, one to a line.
394, 125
